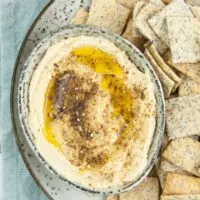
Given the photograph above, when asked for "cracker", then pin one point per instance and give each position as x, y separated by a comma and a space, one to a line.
128, 34
167, 56
184, 153
183, 40
179, 184
131, 32
193, 2
137, 8
80, 17
161, 174
161, 63
188, 87
166, 82
141, 23
108, 14
182, 116
169, 167
190, 70
181, 197
158, 21
196, 11
147, 190
141, 20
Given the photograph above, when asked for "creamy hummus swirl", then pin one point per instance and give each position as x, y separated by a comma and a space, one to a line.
94, 110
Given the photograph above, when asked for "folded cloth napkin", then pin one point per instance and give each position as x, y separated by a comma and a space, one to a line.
16, 17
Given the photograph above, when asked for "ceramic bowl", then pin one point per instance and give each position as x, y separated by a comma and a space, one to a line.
134, 55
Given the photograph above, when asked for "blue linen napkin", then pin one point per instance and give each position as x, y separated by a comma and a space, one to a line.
16, 17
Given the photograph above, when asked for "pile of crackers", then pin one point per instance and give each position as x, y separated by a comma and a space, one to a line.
168, 33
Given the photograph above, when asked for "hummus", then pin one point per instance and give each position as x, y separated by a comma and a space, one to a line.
92, 112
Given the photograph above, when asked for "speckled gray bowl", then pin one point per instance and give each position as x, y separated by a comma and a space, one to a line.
134, 55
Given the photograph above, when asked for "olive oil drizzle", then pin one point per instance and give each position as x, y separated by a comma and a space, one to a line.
113, 81
48, 131
113, 78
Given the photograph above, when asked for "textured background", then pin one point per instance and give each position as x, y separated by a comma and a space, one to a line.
16, 17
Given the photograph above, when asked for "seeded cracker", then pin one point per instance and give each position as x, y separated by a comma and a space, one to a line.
166, 82
191, 70
178, 184
193, 2
169, 167
182, 116
161, 174
167, 56
128, 34
158, 21
136, 10
108, 14
183, 40
147, 190
188, 87
161, 63
196, 11
184, 153
141, 23
80, 17
181, 197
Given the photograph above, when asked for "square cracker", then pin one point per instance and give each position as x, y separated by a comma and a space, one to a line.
181, 197
188, 87
169, 167
193, 2
136, 10
80, 17
141, 23
147, 190
128, 34
178, 184
158, 21
196, 11
190, 70
108, 14
182, 116
183, 40
161, 174
131, 32
166, 82
167, 69
141, 20
184, 153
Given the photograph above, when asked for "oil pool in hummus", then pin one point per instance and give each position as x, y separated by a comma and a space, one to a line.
92, 112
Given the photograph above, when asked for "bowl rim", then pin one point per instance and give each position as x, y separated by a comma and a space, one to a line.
34, 147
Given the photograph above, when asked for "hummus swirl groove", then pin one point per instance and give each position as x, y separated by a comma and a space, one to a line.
95, 109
